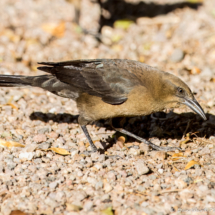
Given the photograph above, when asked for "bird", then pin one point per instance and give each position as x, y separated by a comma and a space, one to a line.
109, 88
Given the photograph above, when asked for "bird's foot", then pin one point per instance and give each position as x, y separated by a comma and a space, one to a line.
159, 148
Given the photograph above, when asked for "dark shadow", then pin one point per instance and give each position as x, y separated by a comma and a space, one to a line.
119, 9
159, 125
59, 118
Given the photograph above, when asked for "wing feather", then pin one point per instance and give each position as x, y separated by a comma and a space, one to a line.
103, 78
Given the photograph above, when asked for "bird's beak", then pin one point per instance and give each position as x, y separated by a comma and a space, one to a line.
195, 106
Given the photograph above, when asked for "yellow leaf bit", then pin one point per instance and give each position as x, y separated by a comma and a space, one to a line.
191, 164
10, 144
108, 211
60, 151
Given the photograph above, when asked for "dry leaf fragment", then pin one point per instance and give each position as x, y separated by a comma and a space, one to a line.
54, 29
13, 106
191, 164
176, 159
60, 151
180, 154
18, 212
10, 144
107, 211
177, 156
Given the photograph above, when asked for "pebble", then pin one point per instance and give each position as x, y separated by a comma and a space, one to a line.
26, 155
177, 56
111, 176
133, 151
99, 185
205, 151
107, 187
40, 138
53, 135
43, 130
158, 155
92, 181
30, 147
53, 184
180, 183
143, 147
98, 166
88, 205
141, 167
160, 171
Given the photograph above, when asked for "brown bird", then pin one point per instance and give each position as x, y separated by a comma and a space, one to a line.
105, 88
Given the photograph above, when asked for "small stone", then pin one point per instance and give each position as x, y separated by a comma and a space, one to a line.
158, 155
205, 151
80, 196
156, 141
98, 166
160, 171
144, 147
99, 185
30, 147
105, 197
43, 130
107, 187
101, 158
141, 167
73, 153
40, 138
141, 188
51, 202
26, 155
91, 180
180, 183
44, 146
177, 56
79, 174
88, 205
53, 135
111, 176
53, 185
210, 198
134, 152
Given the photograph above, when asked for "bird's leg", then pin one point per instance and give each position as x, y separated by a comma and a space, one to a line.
159, 148
93, 147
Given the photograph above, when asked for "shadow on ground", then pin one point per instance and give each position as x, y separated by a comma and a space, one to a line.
158, 125
120, 9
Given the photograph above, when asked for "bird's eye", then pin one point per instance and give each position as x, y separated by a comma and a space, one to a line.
180, 90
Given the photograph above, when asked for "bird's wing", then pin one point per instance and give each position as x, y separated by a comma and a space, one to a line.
102, 78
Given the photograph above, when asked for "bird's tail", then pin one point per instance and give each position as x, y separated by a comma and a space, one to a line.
14, 80
21, 80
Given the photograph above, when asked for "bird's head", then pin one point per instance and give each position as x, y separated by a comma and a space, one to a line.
175, 91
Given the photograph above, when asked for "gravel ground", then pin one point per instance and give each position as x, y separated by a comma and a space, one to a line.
35, 180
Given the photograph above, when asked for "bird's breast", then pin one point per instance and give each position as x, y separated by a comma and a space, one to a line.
139, 102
